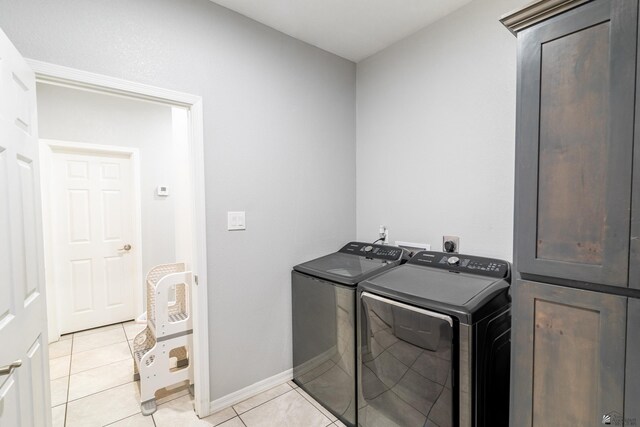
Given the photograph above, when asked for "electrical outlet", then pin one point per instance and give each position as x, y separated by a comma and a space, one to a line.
451, 244
383, 233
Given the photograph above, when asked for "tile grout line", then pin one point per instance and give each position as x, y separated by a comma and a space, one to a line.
108, 330
112, 344
121, 419
112, 326
86, 370
66, 403
224, 421
291, 389
102, 346
110, 388
126, 339
237, 416
315, 407
99, 366
266, 401
106, 389
120, 385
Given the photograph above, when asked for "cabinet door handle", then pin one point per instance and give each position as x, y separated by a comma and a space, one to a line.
6, 370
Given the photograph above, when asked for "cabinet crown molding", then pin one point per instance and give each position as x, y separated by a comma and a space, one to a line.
536, 12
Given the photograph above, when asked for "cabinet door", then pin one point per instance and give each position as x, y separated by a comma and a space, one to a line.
632, 381
576, 87
568, 356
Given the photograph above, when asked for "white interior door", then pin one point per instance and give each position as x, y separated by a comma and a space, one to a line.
92, 212
24, 392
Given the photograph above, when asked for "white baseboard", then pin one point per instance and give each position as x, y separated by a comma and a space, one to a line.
310, 365
249, 391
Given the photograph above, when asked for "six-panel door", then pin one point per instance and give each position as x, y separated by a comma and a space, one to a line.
24, 392
93, 216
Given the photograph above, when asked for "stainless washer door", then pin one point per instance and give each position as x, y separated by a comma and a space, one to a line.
324, 343
405, 357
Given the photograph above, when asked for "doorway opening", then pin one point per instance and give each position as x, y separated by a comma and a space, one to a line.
122, 179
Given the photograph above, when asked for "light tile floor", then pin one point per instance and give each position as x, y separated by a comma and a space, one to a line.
92, 385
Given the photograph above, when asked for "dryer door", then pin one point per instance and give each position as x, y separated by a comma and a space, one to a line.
405, 357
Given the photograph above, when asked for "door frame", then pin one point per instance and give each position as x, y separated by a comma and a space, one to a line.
69, 77
48, 148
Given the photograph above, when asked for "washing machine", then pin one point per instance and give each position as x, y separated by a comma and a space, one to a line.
324, 321
434, 343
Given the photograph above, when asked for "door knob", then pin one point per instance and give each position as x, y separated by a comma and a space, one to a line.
6, 370
126, 247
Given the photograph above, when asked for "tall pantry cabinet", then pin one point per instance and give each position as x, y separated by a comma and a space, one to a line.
576, 290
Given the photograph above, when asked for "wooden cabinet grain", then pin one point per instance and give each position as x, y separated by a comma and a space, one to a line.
568, 355
575, 144
576, 290
632, 377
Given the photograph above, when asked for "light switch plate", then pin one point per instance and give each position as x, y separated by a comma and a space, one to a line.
236, 221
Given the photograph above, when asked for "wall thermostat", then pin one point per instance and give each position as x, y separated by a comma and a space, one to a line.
162, 190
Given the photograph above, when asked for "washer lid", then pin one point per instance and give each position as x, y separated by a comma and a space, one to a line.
353, 264
460, 294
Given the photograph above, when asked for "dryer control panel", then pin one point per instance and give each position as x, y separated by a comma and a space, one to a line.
384, 252
462, 263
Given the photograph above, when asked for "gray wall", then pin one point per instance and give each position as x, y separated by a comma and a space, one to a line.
73, 115
436, 133
279, 143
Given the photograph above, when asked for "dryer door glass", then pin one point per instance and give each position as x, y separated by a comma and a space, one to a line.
405, 357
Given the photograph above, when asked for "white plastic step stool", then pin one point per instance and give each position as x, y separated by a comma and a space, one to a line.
168, 335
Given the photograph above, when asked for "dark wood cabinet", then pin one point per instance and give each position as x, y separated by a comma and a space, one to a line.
569, 359
576, 288
632, 378
575, 144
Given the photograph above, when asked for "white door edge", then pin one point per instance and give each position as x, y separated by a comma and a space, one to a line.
24, 387
47, 149
79, 79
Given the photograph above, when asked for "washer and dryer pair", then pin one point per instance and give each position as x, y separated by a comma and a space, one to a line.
384, 339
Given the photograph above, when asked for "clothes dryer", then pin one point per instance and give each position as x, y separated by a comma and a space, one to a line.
434, 343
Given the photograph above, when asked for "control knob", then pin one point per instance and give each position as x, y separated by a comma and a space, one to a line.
368, 248
454, 260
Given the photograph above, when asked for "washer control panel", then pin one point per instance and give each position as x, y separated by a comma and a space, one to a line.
462, 263
384, 252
